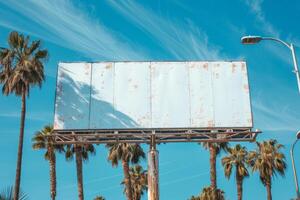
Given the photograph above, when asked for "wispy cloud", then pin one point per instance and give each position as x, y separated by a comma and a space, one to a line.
183, 40
274, 116
256, 8
35, 116
67, 25
268, 29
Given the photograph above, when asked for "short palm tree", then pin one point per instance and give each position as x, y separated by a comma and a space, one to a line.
139, 181
194, 198
41, 141
208, 193
81, 152
236, 158
99, 198
126, 153
268, 161
214, 150
22, 68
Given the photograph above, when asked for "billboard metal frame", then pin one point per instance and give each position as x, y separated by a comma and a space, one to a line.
158, 135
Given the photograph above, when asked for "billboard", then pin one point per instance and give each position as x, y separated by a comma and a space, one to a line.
152, 95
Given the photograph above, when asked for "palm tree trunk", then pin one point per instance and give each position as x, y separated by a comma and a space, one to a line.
20, 147
213, 172
127, 180
239, 184
269, 192
79, 172
52, 162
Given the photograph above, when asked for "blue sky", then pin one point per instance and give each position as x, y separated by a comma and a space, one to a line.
154, 30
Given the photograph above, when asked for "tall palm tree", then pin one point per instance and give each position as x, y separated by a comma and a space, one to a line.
81, 152
41, 141
126, 153
22, 68
237, 157
214, 150
268, 161
139, 181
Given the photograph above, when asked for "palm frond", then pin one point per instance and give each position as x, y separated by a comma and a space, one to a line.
7, 194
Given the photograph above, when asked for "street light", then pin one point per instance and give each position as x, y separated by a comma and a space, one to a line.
293, 164
257, 39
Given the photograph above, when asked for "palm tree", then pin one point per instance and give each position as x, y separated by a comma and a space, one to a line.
127, 153
41, 141
268, 161
237, 157
194, 198
81, 152
99, 198
208, 193
139, 181
8, 193
214, 150
22, 68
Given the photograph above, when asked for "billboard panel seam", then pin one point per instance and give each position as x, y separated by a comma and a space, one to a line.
91, 87
151, 97
213, 99
189, 85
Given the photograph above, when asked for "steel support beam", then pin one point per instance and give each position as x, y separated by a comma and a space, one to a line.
161, 136
153, 172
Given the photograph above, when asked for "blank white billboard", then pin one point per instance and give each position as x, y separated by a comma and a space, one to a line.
138, 95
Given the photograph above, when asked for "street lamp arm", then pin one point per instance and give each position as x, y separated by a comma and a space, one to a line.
278, 40
291, 47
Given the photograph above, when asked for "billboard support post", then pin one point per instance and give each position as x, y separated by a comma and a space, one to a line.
153, 179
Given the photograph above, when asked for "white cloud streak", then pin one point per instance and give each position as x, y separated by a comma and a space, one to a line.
183, 41
64, 24
34, 116
268, 29
274, 116
256, 8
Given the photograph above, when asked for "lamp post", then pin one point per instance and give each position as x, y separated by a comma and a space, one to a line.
257, 39
294, 167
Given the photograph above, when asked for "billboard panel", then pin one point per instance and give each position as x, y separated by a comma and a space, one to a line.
72, 105
170, 94
102, 96
132, 95
138, 95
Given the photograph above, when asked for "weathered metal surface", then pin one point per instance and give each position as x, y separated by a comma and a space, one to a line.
102, 97
132, 94
170, 95
72, 96
201, 94
139, 95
